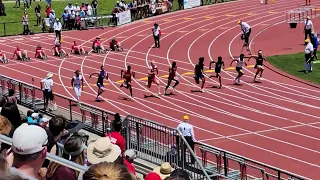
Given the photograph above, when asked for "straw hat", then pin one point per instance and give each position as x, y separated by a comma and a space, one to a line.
307, 40
102, 150
308, 17
164, 170
49, 75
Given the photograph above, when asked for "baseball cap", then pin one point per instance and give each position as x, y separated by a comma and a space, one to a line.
28, 139
130, 154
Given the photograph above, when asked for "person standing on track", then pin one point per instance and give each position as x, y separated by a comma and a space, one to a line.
259, 64
217, 69
246, 31
172, 77
308, 55
152, 76
3, 57
127, 76
199, 74
57, 26
315, 43
156, 35
101, 76
77, 85
187, 132
47, 92
239, 66
308, 28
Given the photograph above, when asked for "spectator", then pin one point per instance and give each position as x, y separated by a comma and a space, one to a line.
115, 136
5, 129
37, 10
129, 157
179, 174
28, 155
89, 9
57, 127
11, 97
76, 9
65, 17
73, 151
315, 44
72, 19
48, 11
17, 4
2, 9
152, 176
172, 155
52, 18
102, 150
107, 170
83, 8
94, 6
25, 23
164, 170
25, 4
30, 117
48, 2
69, 7
11, 112
78, 22
2, 102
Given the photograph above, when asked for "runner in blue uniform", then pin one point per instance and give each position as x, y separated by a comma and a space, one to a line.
101, 76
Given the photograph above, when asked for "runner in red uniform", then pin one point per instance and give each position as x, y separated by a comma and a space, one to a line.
115, 45
40, 53
21, 55
97, 46
3, 57
77, 49
58, 51
127, 74
172, 77
152, 76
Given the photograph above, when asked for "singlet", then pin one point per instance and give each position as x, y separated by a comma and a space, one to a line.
199, 68
101, 76
127, 75
77, 81
75, 47
259, 60
97, 43
172, 72
38, 50
240, 63
219, 64
1, 53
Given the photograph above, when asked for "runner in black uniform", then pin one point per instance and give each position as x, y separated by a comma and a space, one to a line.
101, 76
259, 64
198, 73
217, 69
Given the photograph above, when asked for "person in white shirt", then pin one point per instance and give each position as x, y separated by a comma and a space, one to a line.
245, 31
77, 84
76, 9
187, 132
57, 26
69, 7
308, 28
239, 66
47, 91
308, 54
156, 35
89, 10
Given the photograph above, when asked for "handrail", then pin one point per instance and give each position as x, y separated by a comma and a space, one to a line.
52, 157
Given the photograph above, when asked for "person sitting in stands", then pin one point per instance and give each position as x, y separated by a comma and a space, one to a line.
21, 55
2, 9
3, 57
115, 45
97, 46
58, 51
40, 53
77, 49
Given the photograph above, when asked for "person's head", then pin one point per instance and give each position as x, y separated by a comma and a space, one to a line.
29, 147
57, 124
107, 171
179, 174
174, 64
25, 13
130, 155
201, 60
239, 22
241, 57
260, 52
113, 40
307, 41
29, 113
308, 17
49, 75
185, 118
102, 68
11, 92
77, 72
5, 126
164, 170
11, 112
156, 25
69, 4
18, 48
2, 101
65, 11
102, 150
57, 19
129, 68
219, 59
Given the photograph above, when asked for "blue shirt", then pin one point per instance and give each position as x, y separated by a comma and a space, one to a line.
315, 42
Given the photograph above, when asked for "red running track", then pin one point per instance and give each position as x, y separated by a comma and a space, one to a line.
275, 122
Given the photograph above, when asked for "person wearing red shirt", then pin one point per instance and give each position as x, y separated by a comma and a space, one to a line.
21, 55
115, 136
172, 77
127, 74
129, 157
77, 49
58, 51
40, 53
152, 76
3, 57
115, 45
97, 46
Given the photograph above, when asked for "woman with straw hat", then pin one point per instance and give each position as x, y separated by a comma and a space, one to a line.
164, 170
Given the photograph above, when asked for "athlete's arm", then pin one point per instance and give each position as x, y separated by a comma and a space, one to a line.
107, 76
72, 81
121, 73
212, 62
93, 74
133, 74
233, 61
81, 83
223, 65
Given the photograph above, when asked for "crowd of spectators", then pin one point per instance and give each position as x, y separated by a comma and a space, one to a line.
34, 135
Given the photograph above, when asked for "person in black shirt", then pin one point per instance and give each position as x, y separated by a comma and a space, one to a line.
217, 69
94, 5
37, 10
198, 73
259, 64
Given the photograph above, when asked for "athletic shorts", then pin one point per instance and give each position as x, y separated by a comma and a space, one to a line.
238, 69
217, 70
78, 91
100, 86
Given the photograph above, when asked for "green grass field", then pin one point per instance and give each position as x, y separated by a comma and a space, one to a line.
294, 65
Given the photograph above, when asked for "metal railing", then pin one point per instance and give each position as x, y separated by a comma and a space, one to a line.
52, 158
